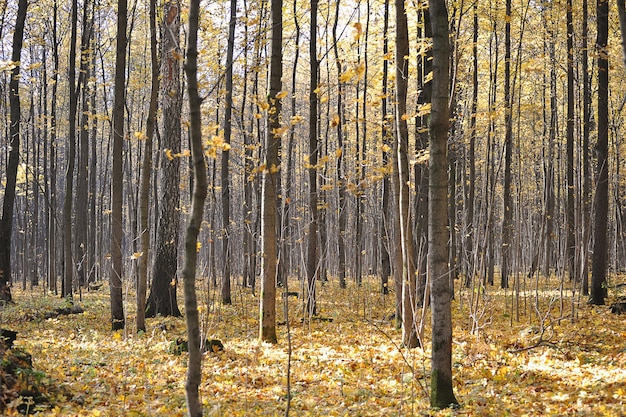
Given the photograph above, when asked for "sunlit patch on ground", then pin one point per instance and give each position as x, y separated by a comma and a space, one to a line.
350, 366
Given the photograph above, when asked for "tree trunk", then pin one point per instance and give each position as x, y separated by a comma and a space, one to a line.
115, 280
312, 255
269, 226
507, 217
6, 223
441, 394
194, 365
409, 334
144, 198
598, 272
162, 298
225, 179
68, 275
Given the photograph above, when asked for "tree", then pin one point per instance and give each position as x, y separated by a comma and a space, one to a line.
507, 217
146, 174
66, 287
269, 193
6, 222
409, 334
117, 181
312, 256
600, 248
162, 298
194, 365
441, 393
228, 111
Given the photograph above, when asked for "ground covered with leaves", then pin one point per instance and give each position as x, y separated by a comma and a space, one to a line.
542, 351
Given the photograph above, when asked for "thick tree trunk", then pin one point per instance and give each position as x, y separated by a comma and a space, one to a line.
600, 248
441, 394
162, 298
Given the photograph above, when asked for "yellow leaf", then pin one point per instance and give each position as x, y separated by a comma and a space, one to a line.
274, 169
335, 120
168, 154
136, 255
264, 106
282, 94
346, 76
198, 246
386, 148
226, 147
338, 152
424, 110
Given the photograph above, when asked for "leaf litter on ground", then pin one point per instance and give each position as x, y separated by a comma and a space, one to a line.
353, 365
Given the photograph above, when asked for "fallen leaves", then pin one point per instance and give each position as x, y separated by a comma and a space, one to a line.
350, 366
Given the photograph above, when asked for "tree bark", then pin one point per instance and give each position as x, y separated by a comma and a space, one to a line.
409, 334
441, 394
269, 226
194, 365
600, 248
162, 298
6, 223
146, 174
312, 255
117, 184
225, 179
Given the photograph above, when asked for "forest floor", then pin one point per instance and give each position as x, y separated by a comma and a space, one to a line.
535, 353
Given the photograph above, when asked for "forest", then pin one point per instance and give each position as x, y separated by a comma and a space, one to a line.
349, 207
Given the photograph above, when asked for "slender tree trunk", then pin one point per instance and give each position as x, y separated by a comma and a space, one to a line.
312, 255
6, 223
194, 365
441, 393
409, 334
144, 198
570, 240
269, 224
507, 218
71, 161
585, 151
598, 273
338, 122
117, 184
387, 137
225, 180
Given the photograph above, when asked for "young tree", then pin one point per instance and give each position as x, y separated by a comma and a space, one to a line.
600, 248
312, 255
66, 287
441, 393
228, 111
162, 298
409, 334
194, 365
6, 223
507, 217
117, 182
146, 174
269, 226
